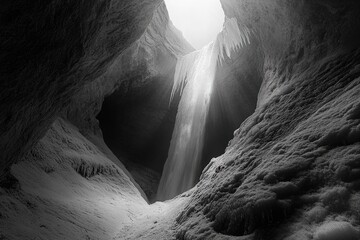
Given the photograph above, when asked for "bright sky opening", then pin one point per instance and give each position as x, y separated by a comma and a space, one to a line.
199, 20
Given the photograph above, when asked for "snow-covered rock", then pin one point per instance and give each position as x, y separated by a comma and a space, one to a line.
290, 172
67, 189
300, 147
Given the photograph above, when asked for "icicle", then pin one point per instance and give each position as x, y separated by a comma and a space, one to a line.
231, 38
183, 72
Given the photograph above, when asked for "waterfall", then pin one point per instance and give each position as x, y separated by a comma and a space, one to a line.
194, 76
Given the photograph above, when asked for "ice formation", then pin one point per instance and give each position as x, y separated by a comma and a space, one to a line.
194, 76
231, 38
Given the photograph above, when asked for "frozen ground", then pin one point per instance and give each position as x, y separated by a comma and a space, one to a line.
68, 189
156, 223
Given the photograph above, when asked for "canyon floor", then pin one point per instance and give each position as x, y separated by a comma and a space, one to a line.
78, 194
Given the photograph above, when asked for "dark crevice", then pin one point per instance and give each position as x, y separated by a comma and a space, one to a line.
137, 121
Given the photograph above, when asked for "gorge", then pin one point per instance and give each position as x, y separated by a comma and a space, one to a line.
90, 111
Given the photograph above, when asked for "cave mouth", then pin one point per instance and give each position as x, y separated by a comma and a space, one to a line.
140, 126
199, 20
137, 122
137, 125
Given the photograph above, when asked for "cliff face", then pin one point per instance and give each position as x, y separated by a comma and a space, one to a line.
70, 185
49, 50
135, 118
234, 98
135, 67
291, 170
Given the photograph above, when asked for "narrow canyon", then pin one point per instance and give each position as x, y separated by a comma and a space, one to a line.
113, 126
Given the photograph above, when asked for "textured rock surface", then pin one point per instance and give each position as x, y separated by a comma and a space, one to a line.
135, 67
139, 84
299, 150
70, 185
49, 50
291, 171
234, 98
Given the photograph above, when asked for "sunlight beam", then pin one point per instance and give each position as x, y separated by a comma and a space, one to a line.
194, 77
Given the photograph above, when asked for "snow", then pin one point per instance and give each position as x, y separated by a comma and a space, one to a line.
298, 151
68, 189
291, 172
156, 223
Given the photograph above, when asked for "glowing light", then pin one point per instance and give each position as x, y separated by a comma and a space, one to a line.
194, 77
199, 20
187, 141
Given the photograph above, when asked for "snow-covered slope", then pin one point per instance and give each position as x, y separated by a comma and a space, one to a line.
68, 189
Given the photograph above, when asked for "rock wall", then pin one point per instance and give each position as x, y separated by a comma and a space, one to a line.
70, 185
292, 168
135, 118
136, 66
290, 172
49, 50
233, 99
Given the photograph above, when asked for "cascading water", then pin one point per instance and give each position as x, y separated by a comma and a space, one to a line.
194, 76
